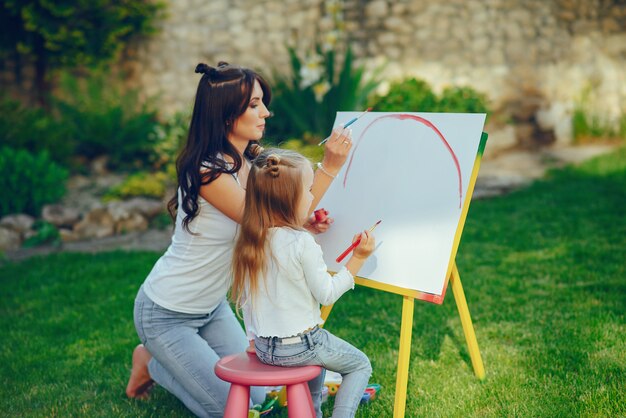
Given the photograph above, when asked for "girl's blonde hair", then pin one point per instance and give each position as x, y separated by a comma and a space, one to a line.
273, 192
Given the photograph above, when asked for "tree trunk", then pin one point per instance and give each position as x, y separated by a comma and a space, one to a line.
42, 87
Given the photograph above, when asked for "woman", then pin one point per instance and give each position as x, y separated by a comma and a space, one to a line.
181, 313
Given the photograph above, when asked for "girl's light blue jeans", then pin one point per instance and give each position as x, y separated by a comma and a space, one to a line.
321, 348
185, 348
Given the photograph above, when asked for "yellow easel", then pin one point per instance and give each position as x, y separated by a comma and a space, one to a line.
409, 296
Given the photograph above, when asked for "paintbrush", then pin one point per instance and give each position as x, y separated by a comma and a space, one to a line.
354, 244
348, 123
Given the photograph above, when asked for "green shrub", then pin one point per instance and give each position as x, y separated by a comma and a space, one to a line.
29, 181
34, 130
462, 100
588, 125
170, 137
162, 221
106, 119
46, 233
410, 95
415, 95
140, 184
311, 151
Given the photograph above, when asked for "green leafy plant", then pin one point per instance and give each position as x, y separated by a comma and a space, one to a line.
46, 233
306, 101
415, 95
34, 130
161, 221
588, 126
589, 123
462, 100
29, 181
140, 184
410, 95
170, 137
104, 118
304, 147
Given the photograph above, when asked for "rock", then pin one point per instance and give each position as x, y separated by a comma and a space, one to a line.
19, 222
524, 107
557, 118
147, 207
28, 234
59, 215
118, 210
377, 9
78, 182
499, 140
525, 133
67, 235
9, 239
98, 223
135, 222
99, 165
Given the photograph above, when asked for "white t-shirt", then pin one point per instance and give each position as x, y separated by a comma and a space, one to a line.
194, 274
295, 284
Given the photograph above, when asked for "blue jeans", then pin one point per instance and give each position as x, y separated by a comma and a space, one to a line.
321, 348
185, 348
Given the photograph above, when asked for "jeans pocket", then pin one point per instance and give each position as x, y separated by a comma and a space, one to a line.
282, 358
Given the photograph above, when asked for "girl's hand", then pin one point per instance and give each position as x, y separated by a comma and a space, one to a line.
318, 227
366, 246
336, 149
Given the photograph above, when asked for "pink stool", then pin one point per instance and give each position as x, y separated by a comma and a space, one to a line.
244, 370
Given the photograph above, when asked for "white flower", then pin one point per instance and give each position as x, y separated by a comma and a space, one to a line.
311, 71
330, 40
320, 89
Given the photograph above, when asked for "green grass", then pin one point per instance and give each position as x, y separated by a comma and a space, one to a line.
543, 271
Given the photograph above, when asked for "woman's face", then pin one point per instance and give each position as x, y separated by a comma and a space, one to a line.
306, 198
251, 124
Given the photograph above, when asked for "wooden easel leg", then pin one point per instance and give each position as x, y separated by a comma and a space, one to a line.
325, 312
404, 352
466, 322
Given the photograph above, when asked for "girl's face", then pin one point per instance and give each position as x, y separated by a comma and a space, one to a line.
251, 124
306, 198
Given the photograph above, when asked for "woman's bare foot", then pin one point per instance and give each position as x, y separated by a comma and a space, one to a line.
140, 382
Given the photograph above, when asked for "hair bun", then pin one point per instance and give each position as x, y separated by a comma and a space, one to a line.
202, 68
206, 69
271, 164
254, 150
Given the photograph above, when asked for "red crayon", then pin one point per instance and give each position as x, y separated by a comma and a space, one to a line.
354, 244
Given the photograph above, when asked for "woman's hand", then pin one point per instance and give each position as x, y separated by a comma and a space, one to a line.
337, 149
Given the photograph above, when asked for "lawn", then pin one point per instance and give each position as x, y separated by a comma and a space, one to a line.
544, 271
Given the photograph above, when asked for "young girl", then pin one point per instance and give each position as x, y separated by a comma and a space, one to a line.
280, 279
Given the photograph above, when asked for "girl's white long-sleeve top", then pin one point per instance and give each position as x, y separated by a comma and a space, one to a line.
295, 283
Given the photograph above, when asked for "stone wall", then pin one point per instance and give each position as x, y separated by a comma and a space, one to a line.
537, 56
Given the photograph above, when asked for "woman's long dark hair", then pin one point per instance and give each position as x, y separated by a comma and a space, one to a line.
223, 95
